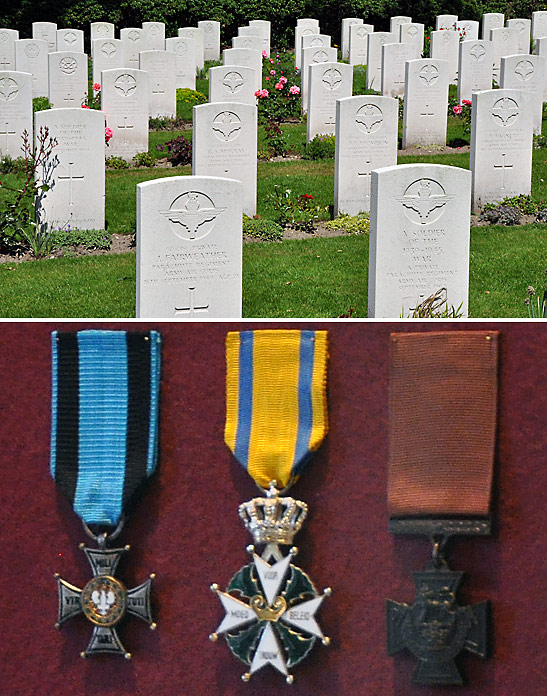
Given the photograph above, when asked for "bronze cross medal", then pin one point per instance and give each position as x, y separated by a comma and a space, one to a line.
436, 629
104, 601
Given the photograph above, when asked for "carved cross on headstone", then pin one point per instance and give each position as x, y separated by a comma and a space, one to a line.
69, 98
192, 308
366, 173
330, 121
503, 166
7, 132
435, 629
157, 92
70, 178
104, 601
124, 128
5, 63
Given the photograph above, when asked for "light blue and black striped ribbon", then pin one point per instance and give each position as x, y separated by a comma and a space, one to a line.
105, 403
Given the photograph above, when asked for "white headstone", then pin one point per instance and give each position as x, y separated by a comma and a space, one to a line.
70, 40
501, 145
526, 72
162, 71
395, 23
189, 248
539, 24
185, 57
106, 54
426, 102
394, 58
446, 22
155, 36
366, 139
67, 75
412, 33
15, 111
8, 37
347, 22
102, 30
374, 57
312, 56
31, 57
224, 144
252, 42
198, 36
523, 32
491, 20
76, 177
328, 83
541, 50
124, 100
245, 56
134, 41
316, 41
504, 43
304, 27
419, 238
358, 43
475, 67
265, 28
211, 39
46, 31
232, 83
468, 29
446, 45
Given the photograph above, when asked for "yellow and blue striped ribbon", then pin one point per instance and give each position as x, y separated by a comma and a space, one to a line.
276, 405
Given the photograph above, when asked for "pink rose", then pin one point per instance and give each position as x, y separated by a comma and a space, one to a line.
258, 93
107, 134
283, 80
294, 90
96, 87
265, 93
84, 106
279, 85
264, 54
467, 102
272, 72
457, 109
267, 78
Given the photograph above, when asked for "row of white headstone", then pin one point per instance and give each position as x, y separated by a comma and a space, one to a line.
189, 243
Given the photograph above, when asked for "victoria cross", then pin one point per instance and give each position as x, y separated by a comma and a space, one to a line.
104, 601
435, 629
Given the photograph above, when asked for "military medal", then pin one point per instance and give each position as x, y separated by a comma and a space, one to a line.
443, 405
276, 416
103, 448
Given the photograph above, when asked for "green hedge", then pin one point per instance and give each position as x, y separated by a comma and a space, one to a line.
233, 13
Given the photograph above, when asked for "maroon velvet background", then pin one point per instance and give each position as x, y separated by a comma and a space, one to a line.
186, 528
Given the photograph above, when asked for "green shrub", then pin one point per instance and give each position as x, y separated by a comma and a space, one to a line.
167, 124
352, 224
262, 229
90, 239
144, 159
190, 96
41, 104
321, 147
114, 162
10, 165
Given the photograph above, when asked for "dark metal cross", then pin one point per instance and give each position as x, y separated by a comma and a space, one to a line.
503, 166
435, 629
70, 178
192, 308
104, 601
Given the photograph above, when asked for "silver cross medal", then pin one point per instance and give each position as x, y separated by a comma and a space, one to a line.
272, 620
104, 601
